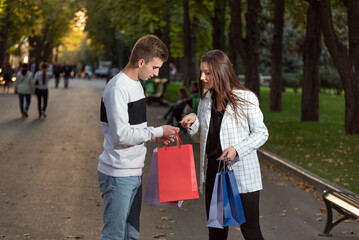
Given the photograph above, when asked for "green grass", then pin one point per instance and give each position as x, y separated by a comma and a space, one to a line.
171, 93
321, 147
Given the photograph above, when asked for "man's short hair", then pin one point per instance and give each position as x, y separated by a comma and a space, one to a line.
147, 48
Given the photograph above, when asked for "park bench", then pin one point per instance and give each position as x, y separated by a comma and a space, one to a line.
344, 203
154, 90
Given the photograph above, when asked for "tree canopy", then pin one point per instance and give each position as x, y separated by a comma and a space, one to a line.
248, 31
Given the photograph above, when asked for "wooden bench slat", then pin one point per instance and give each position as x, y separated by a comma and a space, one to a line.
351, 199
345, 205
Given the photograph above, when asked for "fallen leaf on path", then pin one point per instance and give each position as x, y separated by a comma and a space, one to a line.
159, 235
166, 218
323, 210
163, 227
238, 229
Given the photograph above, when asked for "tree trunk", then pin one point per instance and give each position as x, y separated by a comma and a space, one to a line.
347, 64
311, 59
46, 53
192, 74
247, 47
4, 34
275, 102
35, 46
233, 52
218, 23
166, 40
252, 61
189, 44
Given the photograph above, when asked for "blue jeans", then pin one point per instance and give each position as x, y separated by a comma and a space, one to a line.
21, 102
122, 197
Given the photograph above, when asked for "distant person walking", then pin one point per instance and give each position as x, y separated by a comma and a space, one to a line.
24, 87
7, 74
67, 75
57, 70
41, 81
34, 67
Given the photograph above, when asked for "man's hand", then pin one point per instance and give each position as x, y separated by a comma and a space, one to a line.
188, 120
169, 132
162, 141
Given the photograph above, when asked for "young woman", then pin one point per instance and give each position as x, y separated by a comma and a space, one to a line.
229, 126
41, 81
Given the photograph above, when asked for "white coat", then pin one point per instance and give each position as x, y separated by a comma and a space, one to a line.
246, 135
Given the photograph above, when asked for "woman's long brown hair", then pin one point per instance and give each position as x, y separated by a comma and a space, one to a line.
225, 80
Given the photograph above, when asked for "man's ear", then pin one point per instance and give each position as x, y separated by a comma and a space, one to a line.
140, 62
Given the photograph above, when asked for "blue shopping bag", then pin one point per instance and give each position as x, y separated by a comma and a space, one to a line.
232, 205
152, 194
215, 218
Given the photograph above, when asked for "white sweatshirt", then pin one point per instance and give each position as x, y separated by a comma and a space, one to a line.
24, 83
124, 125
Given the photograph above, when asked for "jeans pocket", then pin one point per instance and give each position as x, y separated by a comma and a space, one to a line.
105, 182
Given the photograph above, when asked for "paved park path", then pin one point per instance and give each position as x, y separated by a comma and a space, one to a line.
49, 188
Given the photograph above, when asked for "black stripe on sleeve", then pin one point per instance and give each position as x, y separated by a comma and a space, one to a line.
103, 113
137, 112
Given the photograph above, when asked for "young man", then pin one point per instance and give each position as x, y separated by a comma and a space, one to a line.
124, 125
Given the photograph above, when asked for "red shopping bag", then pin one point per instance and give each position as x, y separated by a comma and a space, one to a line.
177, 173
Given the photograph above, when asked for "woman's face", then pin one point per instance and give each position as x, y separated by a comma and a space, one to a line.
206, 75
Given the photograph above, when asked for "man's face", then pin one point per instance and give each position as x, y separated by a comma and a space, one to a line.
150, 69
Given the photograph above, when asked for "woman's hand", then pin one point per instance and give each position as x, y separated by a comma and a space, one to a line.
229, 154
188, 120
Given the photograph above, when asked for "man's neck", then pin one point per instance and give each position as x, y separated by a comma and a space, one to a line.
131, 72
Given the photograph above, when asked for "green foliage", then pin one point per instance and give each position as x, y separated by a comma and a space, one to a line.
292, 80
330, 79
171, 94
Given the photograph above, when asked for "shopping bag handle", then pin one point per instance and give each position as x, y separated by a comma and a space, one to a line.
178, 139
219, 166
226, 166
